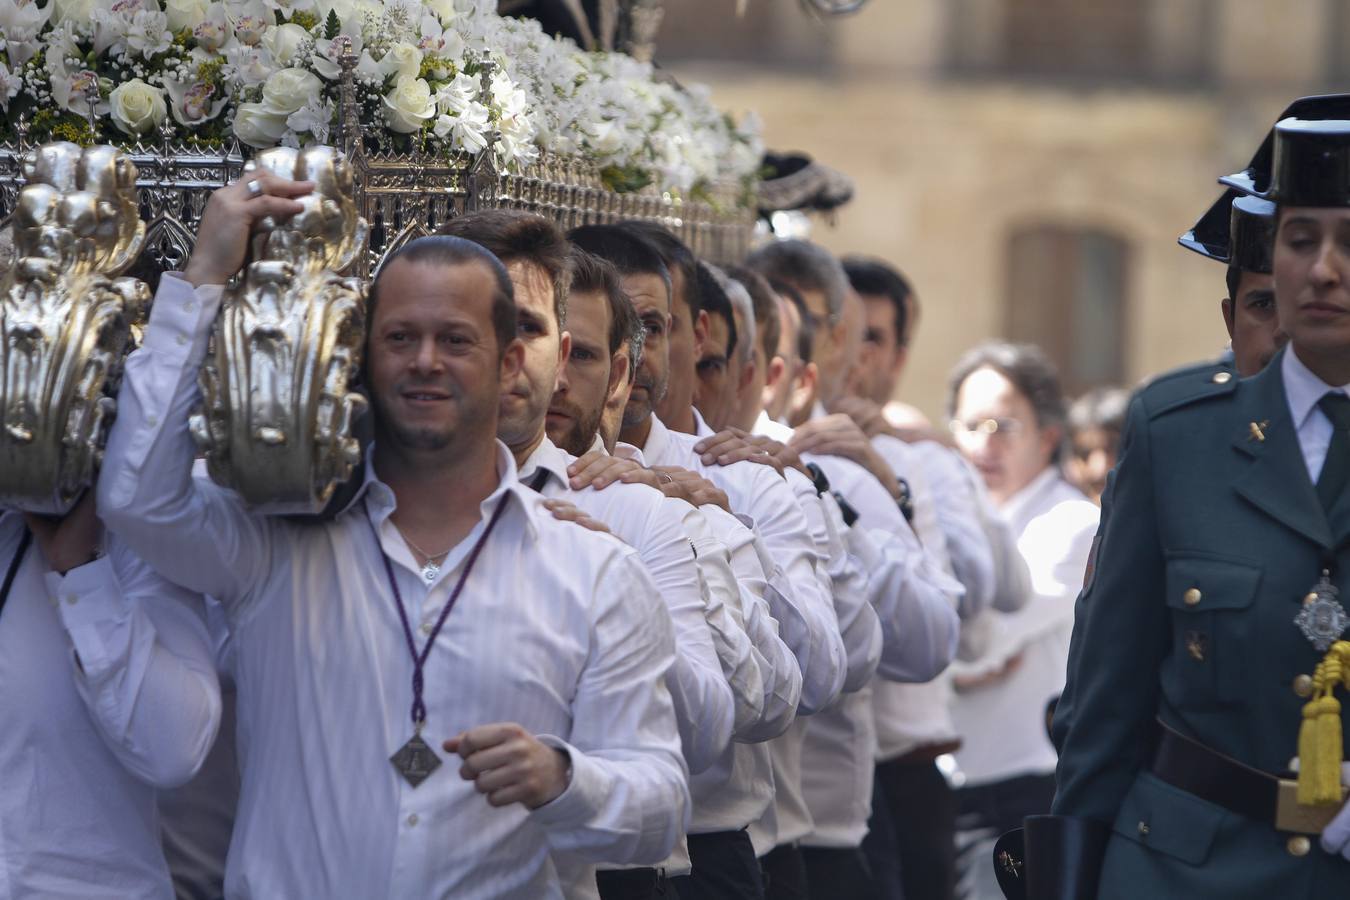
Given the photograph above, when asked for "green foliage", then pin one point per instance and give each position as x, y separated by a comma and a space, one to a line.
58, 125
332, 26
625, 179
305, 19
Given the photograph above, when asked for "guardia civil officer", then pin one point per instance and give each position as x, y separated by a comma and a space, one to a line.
1225, 538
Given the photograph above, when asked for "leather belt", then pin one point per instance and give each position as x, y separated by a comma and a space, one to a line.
927, 753
1192, 767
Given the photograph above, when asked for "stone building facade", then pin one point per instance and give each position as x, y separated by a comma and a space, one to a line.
1028, 163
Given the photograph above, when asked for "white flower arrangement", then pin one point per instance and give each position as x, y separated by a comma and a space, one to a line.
267, 72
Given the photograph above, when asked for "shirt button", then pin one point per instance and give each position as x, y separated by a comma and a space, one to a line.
426, 629
412, 820
1299, 845
189, 306
1191, 597
1303, 686
181, 339
71, 598
152, 421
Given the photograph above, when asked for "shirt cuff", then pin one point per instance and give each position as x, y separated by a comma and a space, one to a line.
585, 794
181, 317
88, 599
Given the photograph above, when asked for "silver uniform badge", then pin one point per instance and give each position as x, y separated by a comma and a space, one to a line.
1322, 619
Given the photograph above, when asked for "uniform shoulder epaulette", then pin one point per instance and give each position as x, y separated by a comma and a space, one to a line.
1187, 385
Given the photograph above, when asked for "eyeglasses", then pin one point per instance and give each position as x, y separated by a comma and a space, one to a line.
990, 428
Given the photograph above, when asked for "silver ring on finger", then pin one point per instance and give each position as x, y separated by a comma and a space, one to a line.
666, 476
254, 187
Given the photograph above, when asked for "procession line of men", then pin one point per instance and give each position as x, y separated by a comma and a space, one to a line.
615, 606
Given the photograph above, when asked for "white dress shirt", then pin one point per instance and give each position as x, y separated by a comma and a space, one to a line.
739, 788
804, 611
108, 692
557, 629
1003, 723
1303, 390
641, 517
915, 603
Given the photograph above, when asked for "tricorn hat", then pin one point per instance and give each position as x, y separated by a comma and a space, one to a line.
1255, 179
1237, 230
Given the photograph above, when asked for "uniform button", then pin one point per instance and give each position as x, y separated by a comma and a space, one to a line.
426, 629
1310, 599
1191, 597
1143, 829
1222, 377
152, 421
1299, 845
412, 821
1303, 686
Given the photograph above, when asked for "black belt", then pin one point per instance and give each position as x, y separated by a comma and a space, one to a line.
1196, 769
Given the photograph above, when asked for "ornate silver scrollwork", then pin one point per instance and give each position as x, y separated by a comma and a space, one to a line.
276, 421
65, 320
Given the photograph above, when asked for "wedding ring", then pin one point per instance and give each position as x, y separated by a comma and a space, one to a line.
668, 479
254, 188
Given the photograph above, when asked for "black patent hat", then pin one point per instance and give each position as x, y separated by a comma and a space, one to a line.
1256, 178
1237, 231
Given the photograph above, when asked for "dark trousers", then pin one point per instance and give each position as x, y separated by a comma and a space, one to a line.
633, 884
913, 823
724, 868
784, 874
838, 873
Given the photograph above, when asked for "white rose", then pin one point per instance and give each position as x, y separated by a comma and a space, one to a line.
409, 105
257, 127
288, 90
284, 41
137, 107
185, 13
402, 61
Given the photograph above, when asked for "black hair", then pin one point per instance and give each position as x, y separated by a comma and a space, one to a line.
806, 327
444, 250
714, 301
629, 253
875, 278
675, 254
1233, 278
513, 235
591, 274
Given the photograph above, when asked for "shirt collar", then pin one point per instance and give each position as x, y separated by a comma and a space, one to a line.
818, 410
1302, 388
381, 502
628, 451
1015, 505
549, 457
768, 427
658, 439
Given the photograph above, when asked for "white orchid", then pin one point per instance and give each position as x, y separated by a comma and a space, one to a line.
10, 83
192, 103
20, 23
314, 118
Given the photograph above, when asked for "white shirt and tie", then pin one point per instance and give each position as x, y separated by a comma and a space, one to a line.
107, 691
1303, 390
558, 629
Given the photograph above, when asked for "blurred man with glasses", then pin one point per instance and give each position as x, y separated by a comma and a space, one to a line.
1008, 420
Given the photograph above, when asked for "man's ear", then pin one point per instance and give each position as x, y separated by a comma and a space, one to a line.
513, 358
618, 372
776, 371
700, 333
1226, 304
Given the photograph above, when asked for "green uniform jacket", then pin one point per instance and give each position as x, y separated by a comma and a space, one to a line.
1198, 502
